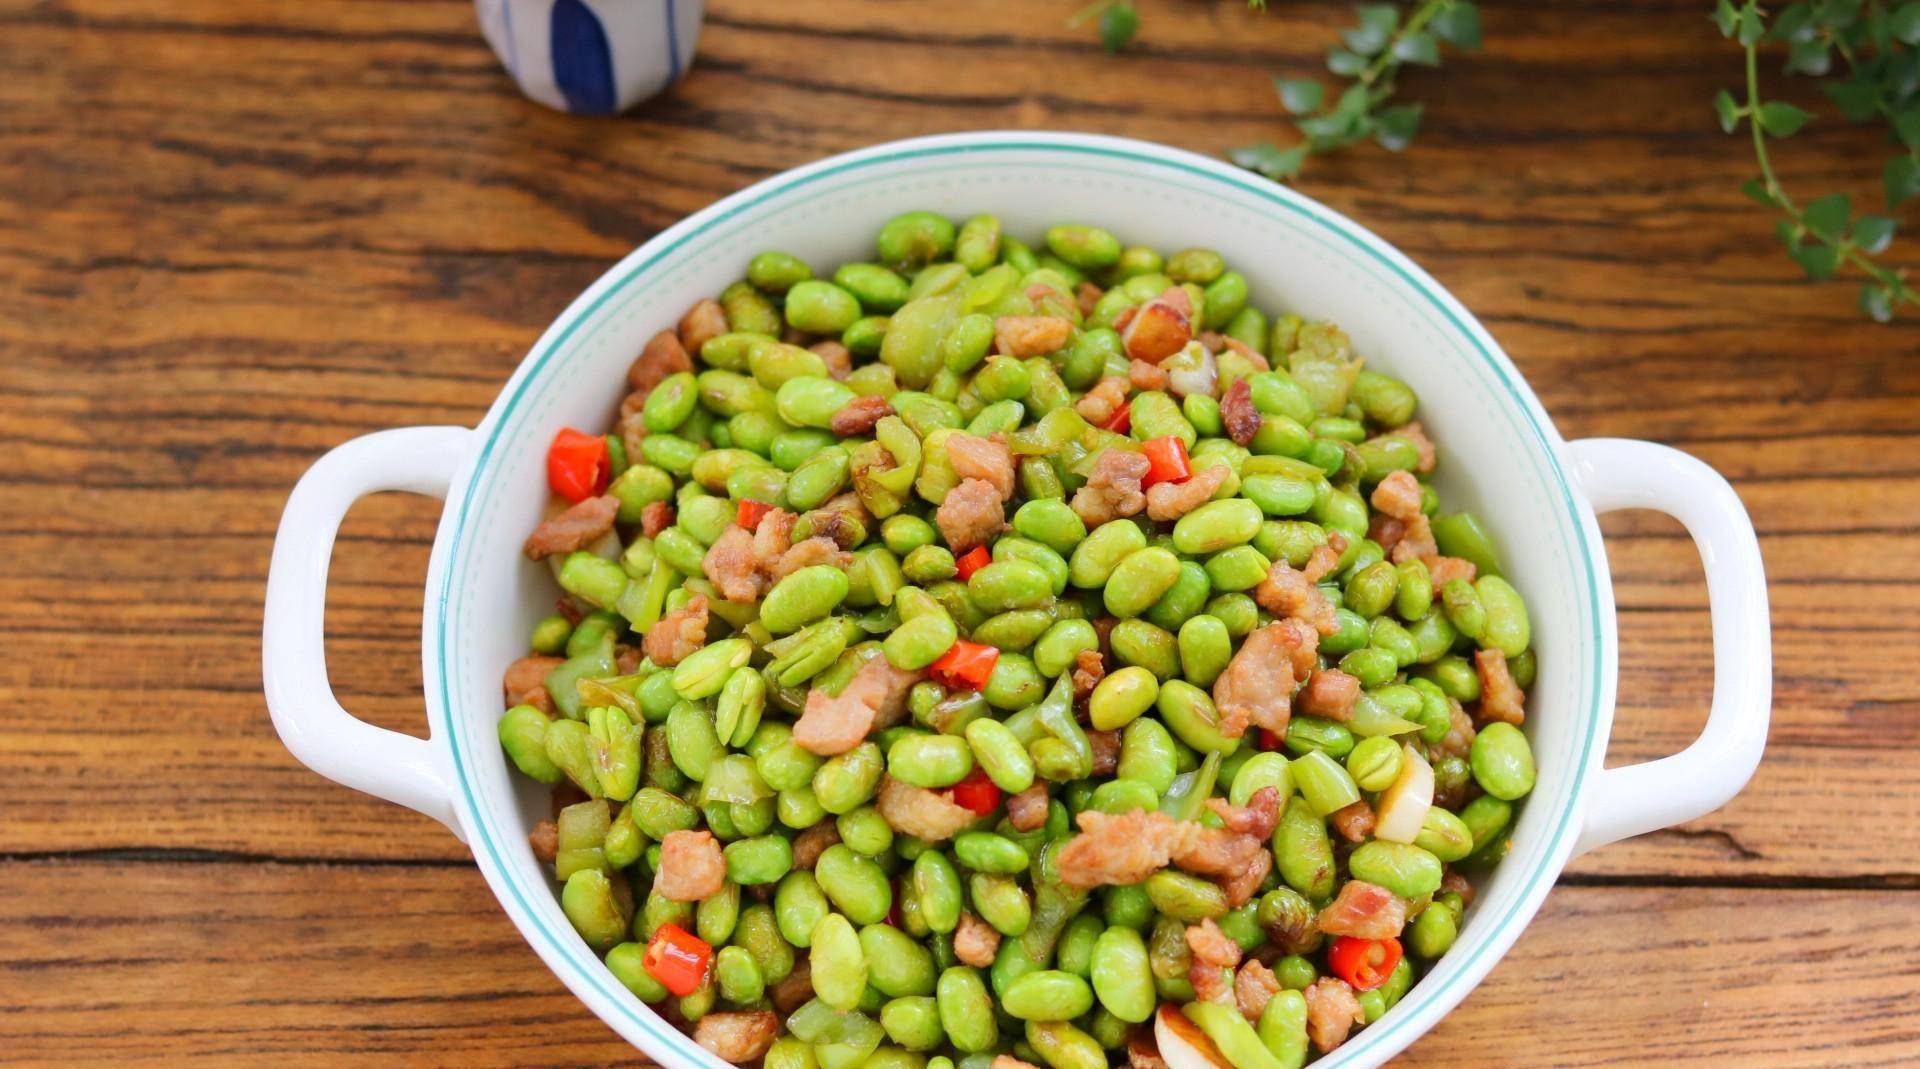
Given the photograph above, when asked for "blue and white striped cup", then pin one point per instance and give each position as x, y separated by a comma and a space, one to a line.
592, 57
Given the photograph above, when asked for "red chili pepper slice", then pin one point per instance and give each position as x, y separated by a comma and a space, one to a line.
977, 793
972, 561
577, 465
965, 665
678, 959
1122, 419
1364, 963
1166, 461
1270, 739
751, 513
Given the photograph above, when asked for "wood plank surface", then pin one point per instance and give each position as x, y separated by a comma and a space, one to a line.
233, 235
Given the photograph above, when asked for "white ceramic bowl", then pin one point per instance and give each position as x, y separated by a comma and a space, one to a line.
1501, 457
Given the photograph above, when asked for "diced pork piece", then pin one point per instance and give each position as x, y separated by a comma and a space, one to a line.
1237, 413
527, 675
655, 516
1500, 697
835, 355
810, 844
1364, 911
691, 866
1169, 501
1287, 593
1143, 376
731, 566
1159, 328
1257, 686
971, 515
1333, 1011
859, 415
1330, 694
1253, 987
1398, 495
1025, 336
975, 942
1354, 823
702, 323
1027, 810
737, 1037
1417, 543
874, 698
1447, 569
580, 526
676, 635
921, 813
662, 356
545, 841
1089, 668
1099, 404
816, 550
1325, 557
1113, 489
986, 459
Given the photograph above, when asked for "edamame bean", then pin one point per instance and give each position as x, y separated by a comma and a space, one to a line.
931, 761
1502, 762
897, 964
856, 885
1402, 868
1001, 754
839, 963
1047, 995
967, 1010
1121, 696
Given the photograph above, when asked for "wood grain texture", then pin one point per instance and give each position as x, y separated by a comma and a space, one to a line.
233, 235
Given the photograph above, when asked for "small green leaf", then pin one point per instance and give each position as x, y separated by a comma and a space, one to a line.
1118, 23
1394, 127
1789, 233
1353, 102
1377, 23
1726, 16
1270, 160
1458, 24
1858, 98
1838, 14
1812, 58
1751, 26
1781, 119
1818, 261
1344, 63
1906, 125
1828, 216
1877, 301
1904, 23
1300, 96
1418, 48
1873, 233
1793, 25
1756, 192
1728, 109
1901, 179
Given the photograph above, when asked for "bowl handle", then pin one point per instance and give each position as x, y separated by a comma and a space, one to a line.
324, 736
1619, 473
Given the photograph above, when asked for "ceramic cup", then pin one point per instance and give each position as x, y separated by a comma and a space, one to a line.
1502, 458
592, 57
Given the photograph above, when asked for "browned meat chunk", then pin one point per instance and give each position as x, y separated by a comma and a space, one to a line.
627, 658
1287, 593
986, 459
1027, 809
702, 323
575, 529
859, 416
1159, 328
1113, 488
1458, 741
1364, 911
1325, 557
1257, 818
975, 942
1089, 668
1333, 1011
843, 519
816, 550
1106, 751
1237, 414
873, 698
1122, 849
691, 866
1447, 569
1386, 530
835, 355
737, 1037
971, 515
1245, 350
1417, 543
1353, 823
1025, 336
772, 537
545, 840
790, 994
527, 675
655, 516
1398, 495
1167, 502
1102, 401
1008, 1061
1500, 697
1236, 856
1257, 686
1302, 643
731, 566
921, 813
1457, 884
810, 844
1330, 694
1143, 376
1142, 1051
662, 356
1087, 296
1416, 434
1253, 988
1214, 956
677, 634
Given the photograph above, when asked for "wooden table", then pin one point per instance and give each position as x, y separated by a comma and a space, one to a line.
234, 234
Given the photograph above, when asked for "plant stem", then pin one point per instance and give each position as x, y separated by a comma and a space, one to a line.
1894, 281
1385, 64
